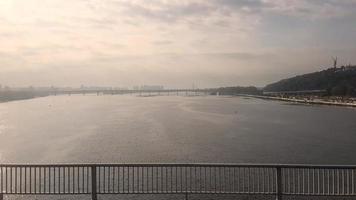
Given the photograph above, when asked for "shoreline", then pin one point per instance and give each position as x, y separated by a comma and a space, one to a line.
301, 101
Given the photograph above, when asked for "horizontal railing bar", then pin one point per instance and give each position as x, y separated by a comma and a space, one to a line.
55, 194
186, 165
320, 195
170, 193
196, 192
192, 192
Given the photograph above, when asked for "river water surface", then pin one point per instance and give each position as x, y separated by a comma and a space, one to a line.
174, 129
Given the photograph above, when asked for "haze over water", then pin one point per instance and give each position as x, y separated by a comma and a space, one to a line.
171, 129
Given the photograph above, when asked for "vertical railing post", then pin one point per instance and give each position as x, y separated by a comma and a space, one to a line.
94, 195
279, 183
1, 196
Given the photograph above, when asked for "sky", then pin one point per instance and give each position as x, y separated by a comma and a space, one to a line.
175, 43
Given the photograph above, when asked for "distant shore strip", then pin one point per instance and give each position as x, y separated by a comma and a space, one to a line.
301, 101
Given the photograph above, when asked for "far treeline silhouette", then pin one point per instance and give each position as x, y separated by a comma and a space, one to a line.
336, 81
237, 90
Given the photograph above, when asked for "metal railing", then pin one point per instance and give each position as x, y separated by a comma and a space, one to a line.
186, 179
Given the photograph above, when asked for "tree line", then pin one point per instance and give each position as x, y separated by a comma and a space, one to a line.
336, 81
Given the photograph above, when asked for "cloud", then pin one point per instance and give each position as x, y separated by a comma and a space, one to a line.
309, 9
162, 42
52, 49
241, 56
316, 9
246, 6
164, 11
212, 41
8, 35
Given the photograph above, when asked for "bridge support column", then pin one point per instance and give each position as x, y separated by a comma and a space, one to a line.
279, 184
94, 195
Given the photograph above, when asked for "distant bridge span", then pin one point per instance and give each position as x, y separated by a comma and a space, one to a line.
119, 91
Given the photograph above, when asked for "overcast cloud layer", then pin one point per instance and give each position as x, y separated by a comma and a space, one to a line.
171, 42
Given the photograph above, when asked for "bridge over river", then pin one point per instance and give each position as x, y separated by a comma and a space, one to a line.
140, 92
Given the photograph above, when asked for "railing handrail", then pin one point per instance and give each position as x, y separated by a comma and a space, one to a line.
177, 178
262, 165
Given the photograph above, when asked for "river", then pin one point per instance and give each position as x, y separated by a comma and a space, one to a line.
174, 129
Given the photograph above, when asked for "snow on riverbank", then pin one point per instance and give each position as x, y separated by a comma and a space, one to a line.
305, 101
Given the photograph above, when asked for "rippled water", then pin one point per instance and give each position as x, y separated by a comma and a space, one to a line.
170, 129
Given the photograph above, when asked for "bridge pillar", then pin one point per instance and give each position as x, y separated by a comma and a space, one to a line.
279, 184
94, 195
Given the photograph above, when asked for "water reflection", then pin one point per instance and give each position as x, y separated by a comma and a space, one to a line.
171, 129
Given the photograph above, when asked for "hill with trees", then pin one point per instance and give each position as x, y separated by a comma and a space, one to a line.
237, 90
336, 81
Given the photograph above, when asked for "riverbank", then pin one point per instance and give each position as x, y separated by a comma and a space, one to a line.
10, 95
6, 96
303, 101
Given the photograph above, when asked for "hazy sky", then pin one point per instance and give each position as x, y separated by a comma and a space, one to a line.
171, 42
